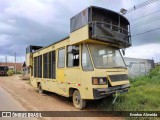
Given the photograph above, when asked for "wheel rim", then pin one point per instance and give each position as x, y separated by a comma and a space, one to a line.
77, 99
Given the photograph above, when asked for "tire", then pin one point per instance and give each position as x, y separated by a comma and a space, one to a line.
40, 90
77, 101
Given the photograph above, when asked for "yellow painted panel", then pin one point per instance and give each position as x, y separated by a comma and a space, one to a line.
73, 75
79, 35
29, 59
51, 48
86, 85
60, 75
34, 82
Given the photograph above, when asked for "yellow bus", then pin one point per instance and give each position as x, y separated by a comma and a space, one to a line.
86, 65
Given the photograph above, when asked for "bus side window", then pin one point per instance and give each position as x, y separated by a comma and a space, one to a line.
49, 65
61, 58
73, 56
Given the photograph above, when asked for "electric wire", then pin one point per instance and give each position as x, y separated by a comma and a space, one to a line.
144, 22
146, 32
145, 15
140, 5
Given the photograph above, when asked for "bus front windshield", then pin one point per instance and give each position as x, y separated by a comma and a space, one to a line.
106, 57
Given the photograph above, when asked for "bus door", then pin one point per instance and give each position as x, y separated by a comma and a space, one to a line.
61, 76
72, 72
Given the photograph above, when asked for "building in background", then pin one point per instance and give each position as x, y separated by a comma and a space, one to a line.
137, 66
12, 65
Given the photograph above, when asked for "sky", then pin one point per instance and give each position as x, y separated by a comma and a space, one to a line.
41, 22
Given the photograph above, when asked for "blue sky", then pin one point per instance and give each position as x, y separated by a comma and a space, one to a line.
41, 22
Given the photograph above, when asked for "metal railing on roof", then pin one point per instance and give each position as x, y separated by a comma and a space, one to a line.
107, 31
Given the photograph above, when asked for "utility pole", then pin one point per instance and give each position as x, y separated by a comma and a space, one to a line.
15, 65
6, 60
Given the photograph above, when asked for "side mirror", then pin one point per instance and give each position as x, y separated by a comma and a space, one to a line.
123, 51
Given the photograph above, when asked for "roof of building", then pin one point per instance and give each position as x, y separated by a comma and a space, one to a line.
137, 59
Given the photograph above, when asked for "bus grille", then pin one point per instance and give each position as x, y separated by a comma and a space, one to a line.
120, 77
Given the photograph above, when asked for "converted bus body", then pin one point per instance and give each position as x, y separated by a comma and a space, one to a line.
88, 64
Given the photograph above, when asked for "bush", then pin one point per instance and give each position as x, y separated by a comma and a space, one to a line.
155, 72
10, 72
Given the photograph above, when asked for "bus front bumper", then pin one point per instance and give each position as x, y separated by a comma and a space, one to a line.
99, 93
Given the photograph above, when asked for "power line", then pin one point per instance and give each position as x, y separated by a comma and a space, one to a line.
140, 5
147, 21
146, 32
145, 15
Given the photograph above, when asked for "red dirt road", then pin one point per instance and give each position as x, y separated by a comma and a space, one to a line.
31, 100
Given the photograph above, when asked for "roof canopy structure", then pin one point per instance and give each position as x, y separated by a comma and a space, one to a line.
104, 25
94, 13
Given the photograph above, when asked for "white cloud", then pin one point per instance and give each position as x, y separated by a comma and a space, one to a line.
41, 22
148, 51
7, 28
12, 59
33, 10
4, 40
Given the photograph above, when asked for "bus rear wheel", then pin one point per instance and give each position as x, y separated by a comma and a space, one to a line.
40, 90
78, 102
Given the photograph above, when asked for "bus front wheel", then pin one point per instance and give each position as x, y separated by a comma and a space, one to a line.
78, 102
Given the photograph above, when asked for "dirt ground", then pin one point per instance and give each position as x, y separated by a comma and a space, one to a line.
30, 99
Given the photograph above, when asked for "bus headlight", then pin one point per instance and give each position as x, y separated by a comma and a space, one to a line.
99, 80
